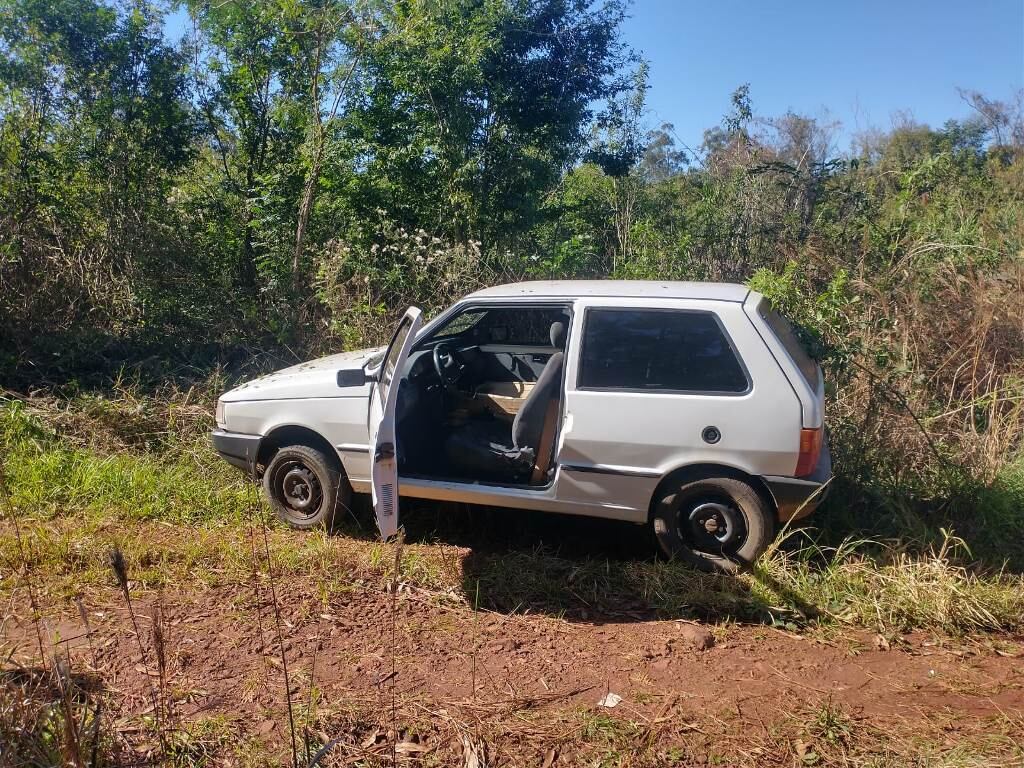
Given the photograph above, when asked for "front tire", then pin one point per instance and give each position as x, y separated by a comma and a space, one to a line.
305, 487
715, 523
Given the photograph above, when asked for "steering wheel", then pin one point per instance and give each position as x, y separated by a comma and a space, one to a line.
447, 365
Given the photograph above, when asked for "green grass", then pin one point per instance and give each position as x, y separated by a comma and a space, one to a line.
859, 584
181, 517
51, 478
891, 590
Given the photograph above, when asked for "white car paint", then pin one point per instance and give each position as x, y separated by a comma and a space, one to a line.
614, 447
383, 401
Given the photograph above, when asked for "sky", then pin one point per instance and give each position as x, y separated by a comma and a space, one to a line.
858, 62
861, 60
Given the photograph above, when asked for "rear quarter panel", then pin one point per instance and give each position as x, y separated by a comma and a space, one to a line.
812, 399
642, 436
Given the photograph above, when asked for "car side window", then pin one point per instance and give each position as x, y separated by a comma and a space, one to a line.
659, 350
510, 326
529, 327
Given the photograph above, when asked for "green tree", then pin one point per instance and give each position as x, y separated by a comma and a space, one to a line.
468, 112
95, 126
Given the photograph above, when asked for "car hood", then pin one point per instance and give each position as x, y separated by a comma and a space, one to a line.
314, 378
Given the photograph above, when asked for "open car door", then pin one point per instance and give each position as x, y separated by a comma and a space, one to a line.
383, 401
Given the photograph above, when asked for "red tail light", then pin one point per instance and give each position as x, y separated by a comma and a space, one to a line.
810, 450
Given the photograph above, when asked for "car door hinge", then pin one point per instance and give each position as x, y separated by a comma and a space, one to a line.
384, 451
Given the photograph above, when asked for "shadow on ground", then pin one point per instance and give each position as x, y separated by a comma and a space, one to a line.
586, 569
592, 570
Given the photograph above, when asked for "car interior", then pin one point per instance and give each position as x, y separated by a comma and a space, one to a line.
480, 397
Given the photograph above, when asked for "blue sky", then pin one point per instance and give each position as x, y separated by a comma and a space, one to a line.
861, 60
854, 61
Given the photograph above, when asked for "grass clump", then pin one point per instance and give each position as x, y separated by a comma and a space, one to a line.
891, 590
858, 583
51, 476
52, 717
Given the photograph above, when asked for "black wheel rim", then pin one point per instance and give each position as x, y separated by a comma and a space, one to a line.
711, 524
298, 488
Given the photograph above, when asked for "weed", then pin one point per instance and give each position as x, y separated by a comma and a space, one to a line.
201, 742
891, 590
51, 476
832, 725
51, 717
117, 565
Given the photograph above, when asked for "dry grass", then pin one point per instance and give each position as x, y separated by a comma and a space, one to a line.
50, 717
887, 591
542, 732
893, 591
926, 384
153, 489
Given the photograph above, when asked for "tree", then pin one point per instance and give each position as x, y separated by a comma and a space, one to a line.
248, 58
468, 112
331, 70
95, 126
662, 159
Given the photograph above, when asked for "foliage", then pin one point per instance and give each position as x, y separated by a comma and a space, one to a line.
53, 475
289, 176
364, 283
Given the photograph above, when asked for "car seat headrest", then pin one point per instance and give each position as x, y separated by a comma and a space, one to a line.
558, 335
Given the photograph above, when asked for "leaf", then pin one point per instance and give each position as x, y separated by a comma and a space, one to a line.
408, 747
370, 740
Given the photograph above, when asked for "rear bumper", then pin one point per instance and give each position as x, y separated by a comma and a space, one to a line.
797, 497
236, 448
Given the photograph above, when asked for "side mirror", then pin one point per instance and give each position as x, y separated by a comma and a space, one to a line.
352, 378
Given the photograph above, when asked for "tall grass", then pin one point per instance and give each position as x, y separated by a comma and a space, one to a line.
53, 477
859, 583
891, 590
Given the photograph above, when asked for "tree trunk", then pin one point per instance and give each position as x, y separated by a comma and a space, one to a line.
305, 209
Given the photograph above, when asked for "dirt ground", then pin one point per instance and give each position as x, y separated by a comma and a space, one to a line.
524, 689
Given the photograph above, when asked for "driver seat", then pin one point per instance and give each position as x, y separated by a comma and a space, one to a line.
488, 449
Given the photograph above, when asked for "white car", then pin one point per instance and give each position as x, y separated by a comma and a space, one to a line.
690, 407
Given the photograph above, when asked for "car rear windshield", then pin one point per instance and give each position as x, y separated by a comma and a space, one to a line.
787, 337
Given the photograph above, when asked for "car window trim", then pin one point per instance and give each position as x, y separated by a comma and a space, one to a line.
637, 390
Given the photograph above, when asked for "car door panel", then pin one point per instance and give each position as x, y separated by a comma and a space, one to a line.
518, 363
381, 424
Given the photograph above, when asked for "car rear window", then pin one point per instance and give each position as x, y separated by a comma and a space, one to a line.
659, 350
786, 335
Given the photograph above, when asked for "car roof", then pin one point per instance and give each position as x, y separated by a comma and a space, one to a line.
655, 289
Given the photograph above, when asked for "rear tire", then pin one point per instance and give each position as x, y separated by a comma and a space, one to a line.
714, 523
305, 487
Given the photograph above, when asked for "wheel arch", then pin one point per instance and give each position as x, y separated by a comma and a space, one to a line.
294, 434
689, 472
